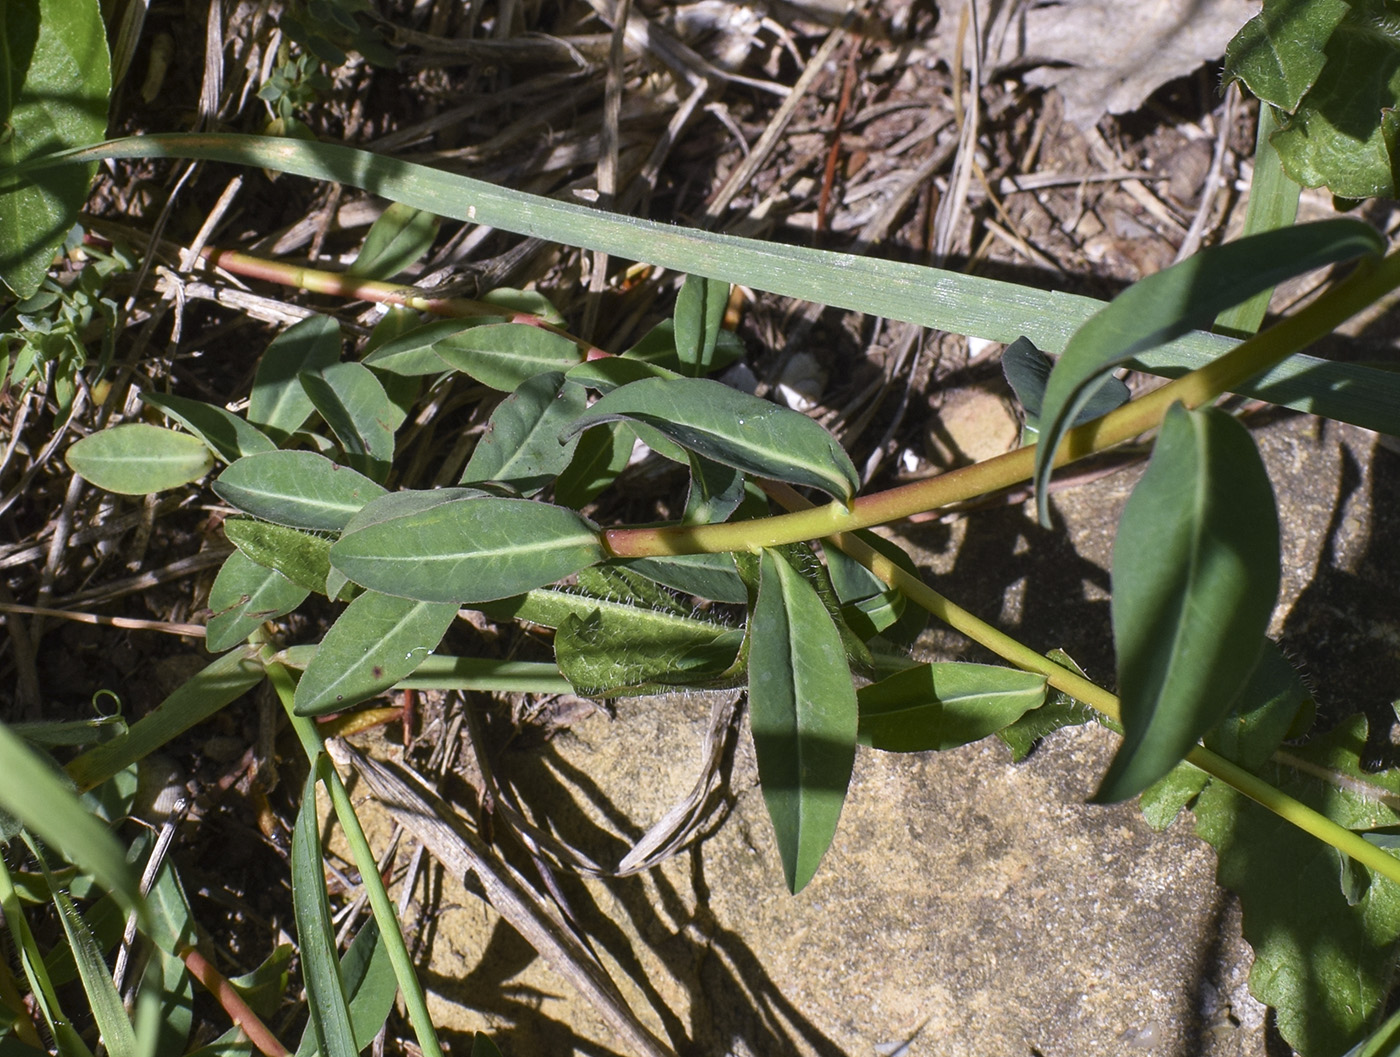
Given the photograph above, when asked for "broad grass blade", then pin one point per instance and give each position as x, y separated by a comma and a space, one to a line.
804, 716
1195, 577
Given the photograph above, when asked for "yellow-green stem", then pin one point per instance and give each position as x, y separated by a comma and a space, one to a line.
384, 912
1367, 284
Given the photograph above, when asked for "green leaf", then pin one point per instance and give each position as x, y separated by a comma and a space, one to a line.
1266, 712
1195, 577
1059, 711
359, 413
377, 641
137, 459
278, 403
1325, 966
711, 576
1332, 68
716, 490
527, 302
227, 436
34, 793
1027, 371
244, 595
944, 705
412, 354
482, 1046
325, 990
370, 985
396, 240
469, 550
620, 649
521, 446
299, 489
869, 606
732, 428
300, 557
804, 716
658, 347
1166, 305
54, 84
699, 320
600, 455
198, 698
613, 372
502, 355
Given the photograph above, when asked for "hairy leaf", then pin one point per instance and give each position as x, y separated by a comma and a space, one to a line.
299, 556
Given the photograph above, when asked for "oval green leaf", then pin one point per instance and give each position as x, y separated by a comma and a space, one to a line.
699, 318
1167, 305
733, 428
412, 354
521, 446
502, 355
803, 710
471, 550
944, 705
397, 239
1195, 577
243, 596
359, 412
228, 436
377, 641
278, 404
299, 489
137, 459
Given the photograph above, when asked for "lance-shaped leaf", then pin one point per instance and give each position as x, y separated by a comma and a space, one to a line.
1195, 576
699, 320
521, 444
712, 576
399, 237
802, 704
502, 355
369, 984
377, 641
599, 457
359, 412
1165, 306
325, 990
243, 596
137, 459
278, 404
944, 705
299, 489
470, 550
602, 656
733, 428
1027, 371
411, 354
299, 556
227, 435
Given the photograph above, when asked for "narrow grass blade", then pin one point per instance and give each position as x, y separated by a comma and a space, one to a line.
198, 698
1167, 305
244, 595
278, 404
117, 1034
377, 641
369, 985
804, 716
1195, 577
137, 459
299, 489
733, 428
320, 967
470, 550
33, 792
227, 435
944, 705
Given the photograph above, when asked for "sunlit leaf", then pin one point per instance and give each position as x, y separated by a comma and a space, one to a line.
944, 705
244, 595
137, 459
299, 489
804, 716
359, 413
699, 319
502, 355
1195, 577
227, 435
732, 428
300, 557
521, 445
469, 550
377, 641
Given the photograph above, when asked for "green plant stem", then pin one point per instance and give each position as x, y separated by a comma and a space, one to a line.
1366, 285
1106, 704
383, 908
